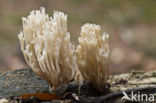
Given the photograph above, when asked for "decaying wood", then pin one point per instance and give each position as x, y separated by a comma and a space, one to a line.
143, 82
135, 79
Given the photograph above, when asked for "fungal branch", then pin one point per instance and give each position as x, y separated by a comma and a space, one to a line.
46, 46
93, 55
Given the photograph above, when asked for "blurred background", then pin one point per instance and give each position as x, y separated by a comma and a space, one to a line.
130, 23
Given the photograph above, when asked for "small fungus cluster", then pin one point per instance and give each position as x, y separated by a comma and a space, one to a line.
93, 55
45, 43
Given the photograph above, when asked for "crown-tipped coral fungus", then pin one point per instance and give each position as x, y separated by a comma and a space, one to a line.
46, 46
93, 55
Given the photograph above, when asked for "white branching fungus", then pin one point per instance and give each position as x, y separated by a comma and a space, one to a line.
93, 55
46, 46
